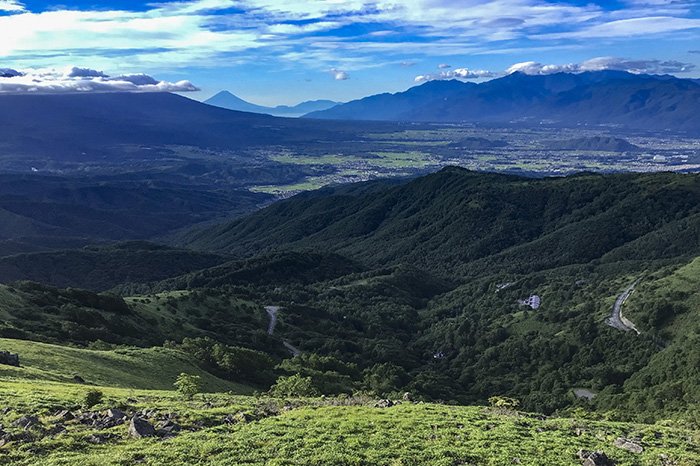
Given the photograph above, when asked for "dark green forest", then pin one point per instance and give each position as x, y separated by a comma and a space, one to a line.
417, 287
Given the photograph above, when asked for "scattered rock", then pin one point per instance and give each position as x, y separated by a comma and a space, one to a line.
594, 458
147, 413
384, 404
57, 429
407, 396
629, 445
116, 414
139, 428
238, 418
78, 379
99, 439
19, 437
26, 422
167, 429
65, 415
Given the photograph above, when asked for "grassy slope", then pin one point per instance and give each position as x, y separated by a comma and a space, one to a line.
153, 368
316, 433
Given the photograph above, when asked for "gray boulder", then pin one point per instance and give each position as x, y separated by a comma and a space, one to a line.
138, 428
9, 359
26, 422
384, 404
65, 415
594, 458
630, 445
116, 414
167, 429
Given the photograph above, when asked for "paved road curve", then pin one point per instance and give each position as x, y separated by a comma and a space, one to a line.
272, 312
617, 320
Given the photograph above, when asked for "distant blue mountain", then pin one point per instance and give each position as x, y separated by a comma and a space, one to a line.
225, 99
591, 98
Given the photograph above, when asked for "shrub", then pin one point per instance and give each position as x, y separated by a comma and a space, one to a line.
188, 385
294, 385
92, 398
504, 403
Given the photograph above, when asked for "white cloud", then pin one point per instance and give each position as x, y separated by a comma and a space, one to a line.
444, 66
533, 68
178, 34
459, 73
644, 26
11, 6
339, 75
82, 80
640, 66
605, 63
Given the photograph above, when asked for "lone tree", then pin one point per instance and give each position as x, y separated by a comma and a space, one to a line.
188, 385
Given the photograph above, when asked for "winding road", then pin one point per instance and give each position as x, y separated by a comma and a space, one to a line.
617, 320
272, 312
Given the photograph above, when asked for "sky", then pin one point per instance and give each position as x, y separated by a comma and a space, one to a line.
275, 52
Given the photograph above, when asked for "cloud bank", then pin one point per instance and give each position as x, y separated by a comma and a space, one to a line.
594, 64
605, 63
458, 73
82, 80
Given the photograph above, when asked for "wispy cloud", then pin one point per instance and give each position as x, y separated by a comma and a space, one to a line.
82, 80
320, 35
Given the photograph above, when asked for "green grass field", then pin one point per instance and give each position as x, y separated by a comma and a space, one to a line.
152, 368
270, 431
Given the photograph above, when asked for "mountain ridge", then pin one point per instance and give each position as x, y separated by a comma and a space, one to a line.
592, 98
230, 101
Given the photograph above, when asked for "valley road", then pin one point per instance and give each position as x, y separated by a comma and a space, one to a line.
617, 320
272, 312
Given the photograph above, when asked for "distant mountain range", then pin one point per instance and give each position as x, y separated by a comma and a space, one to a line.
81, 126
591, 98
225, 99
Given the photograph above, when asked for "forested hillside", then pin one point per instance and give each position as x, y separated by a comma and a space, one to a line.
426, 286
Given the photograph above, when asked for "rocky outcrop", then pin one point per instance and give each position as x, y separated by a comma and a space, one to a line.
631, 446
139, 428
9, 359
594, 458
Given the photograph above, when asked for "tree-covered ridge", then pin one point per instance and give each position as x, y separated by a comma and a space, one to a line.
444, 221
423, 286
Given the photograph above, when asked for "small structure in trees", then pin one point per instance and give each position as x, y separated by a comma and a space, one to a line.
533, 301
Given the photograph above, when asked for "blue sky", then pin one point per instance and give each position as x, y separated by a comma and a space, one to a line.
285, 51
